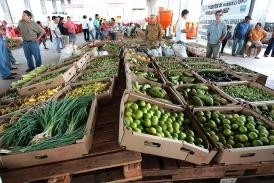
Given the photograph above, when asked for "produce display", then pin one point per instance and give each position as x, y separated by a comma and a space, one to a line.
139, 56
96, 74
201, 95
143, 117
248, 93
29, 76
171, 65
112, 48
88, 89
101, 63
165, 59
267, 111
10, 95
55, 124
197, 59
237, 68
180, 77
152, 76
28, 101
138, 62
235, 129
201, 66
218, 76
154, 91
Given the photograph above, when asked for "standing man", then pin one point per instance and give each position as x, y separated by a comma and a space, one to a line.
49, 24
239, 35
254, 38
31, 34
96, 23
181, 28
55, 32
153, 33
270, 46
85, 28
216, 33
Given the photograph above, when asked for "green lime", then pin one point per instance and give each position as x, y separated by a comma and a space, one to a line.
264, 140
154, 107
141, 103
250, 126
252, 136
181, 136
271, 137
211, 124
137, 130
157, 113
226, 126
257, 143
147, 115
137, 121
128, 120
250, 119
200, 113
146, 122
226, 121
144, 110
158, 128
198, 140
227, 132
137, 114
134, 107
242, 129
239, 145
148, 106
133, 125
243, 138
154, 120
190, 133
231, 142
180, 118
152, 131
189, 139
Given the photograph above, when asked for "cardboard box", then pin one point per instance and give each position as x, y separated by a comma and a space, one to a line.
75, 79
73, 151
102, 98
195, 75
251, 84
170, 93
160, 146
241, 155
80, 64
67, 62
33, 87
212, 88
90, 64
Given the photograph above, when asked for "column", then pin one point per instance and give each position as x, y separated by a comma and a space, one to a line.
6, 11
43, 6
27, 5
152, 8
63, 6
54, 7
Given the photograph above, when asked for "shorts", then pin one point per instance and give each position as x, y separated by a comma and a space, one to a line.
255, 43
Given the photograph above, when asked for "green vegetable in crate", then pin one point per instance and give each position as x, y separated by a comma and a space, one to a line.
138, 62
165, 59
153, 91
237, 68
55, 124
235, 130
143, 117
203, 66
172, 65
218, 76
88, 89
201, 95
101, 63
93, 74
248, 93
267, 111
180, 77
150, 75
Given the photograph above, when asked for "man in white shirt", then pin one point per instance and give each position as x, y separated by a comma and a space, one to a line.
181, 28
55, 31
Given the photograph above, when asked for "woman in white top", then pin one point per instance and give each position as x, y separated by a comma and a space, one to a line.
181, 28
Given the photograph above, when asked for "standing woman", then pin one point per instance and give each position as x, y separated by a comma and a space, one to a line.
85, 28
31, 34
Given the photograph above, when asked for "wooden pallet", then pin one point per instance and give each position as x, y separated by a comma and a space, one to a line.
160, 169
105, 154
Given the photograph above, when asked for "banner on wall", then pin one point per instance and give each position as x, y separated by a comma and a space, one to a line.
234, 11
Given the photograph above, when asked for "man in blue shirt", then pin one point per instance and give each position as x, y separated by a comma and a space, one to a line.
216, 33
239, 35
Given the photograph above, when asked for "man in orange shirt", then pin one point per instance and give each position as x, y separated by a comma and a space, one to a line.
254, 38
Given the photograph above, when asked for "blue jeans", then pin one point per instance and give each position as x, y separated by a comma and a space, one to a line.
270, 47
10, 56
58, 43
32, 49
4, 67
240, 43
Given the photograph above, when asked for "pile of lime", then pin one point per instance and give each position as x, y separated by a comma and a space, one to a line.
235, 130
143, 117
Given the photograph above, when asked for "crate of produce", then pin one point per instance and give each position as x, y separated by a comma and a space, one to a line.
40, 140
9, 95
197, 66
156, 133
48, 80
102, 61
29, 76
153, 90
82, 62
112, 48
166, 59
250, 75
141, 61
102, 89
219, 76
204, 94
171, 65
181, 76
21, 103
198, 59
266, 109
241, 134
250, 92
94, 74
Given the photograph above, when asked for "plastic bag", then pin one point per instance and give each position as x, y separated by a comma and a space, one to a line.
157, 52
167, 51
65, 53
179, 50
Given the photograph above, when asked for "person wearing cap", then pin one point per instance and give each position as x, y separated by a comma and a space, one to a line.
216, 33
240, 33
254, 38
31, 34
153, 34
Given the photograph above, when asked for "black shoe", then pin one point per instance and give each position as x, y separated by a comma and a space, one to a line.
12, 74
29, 70
13, 68
9, 77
